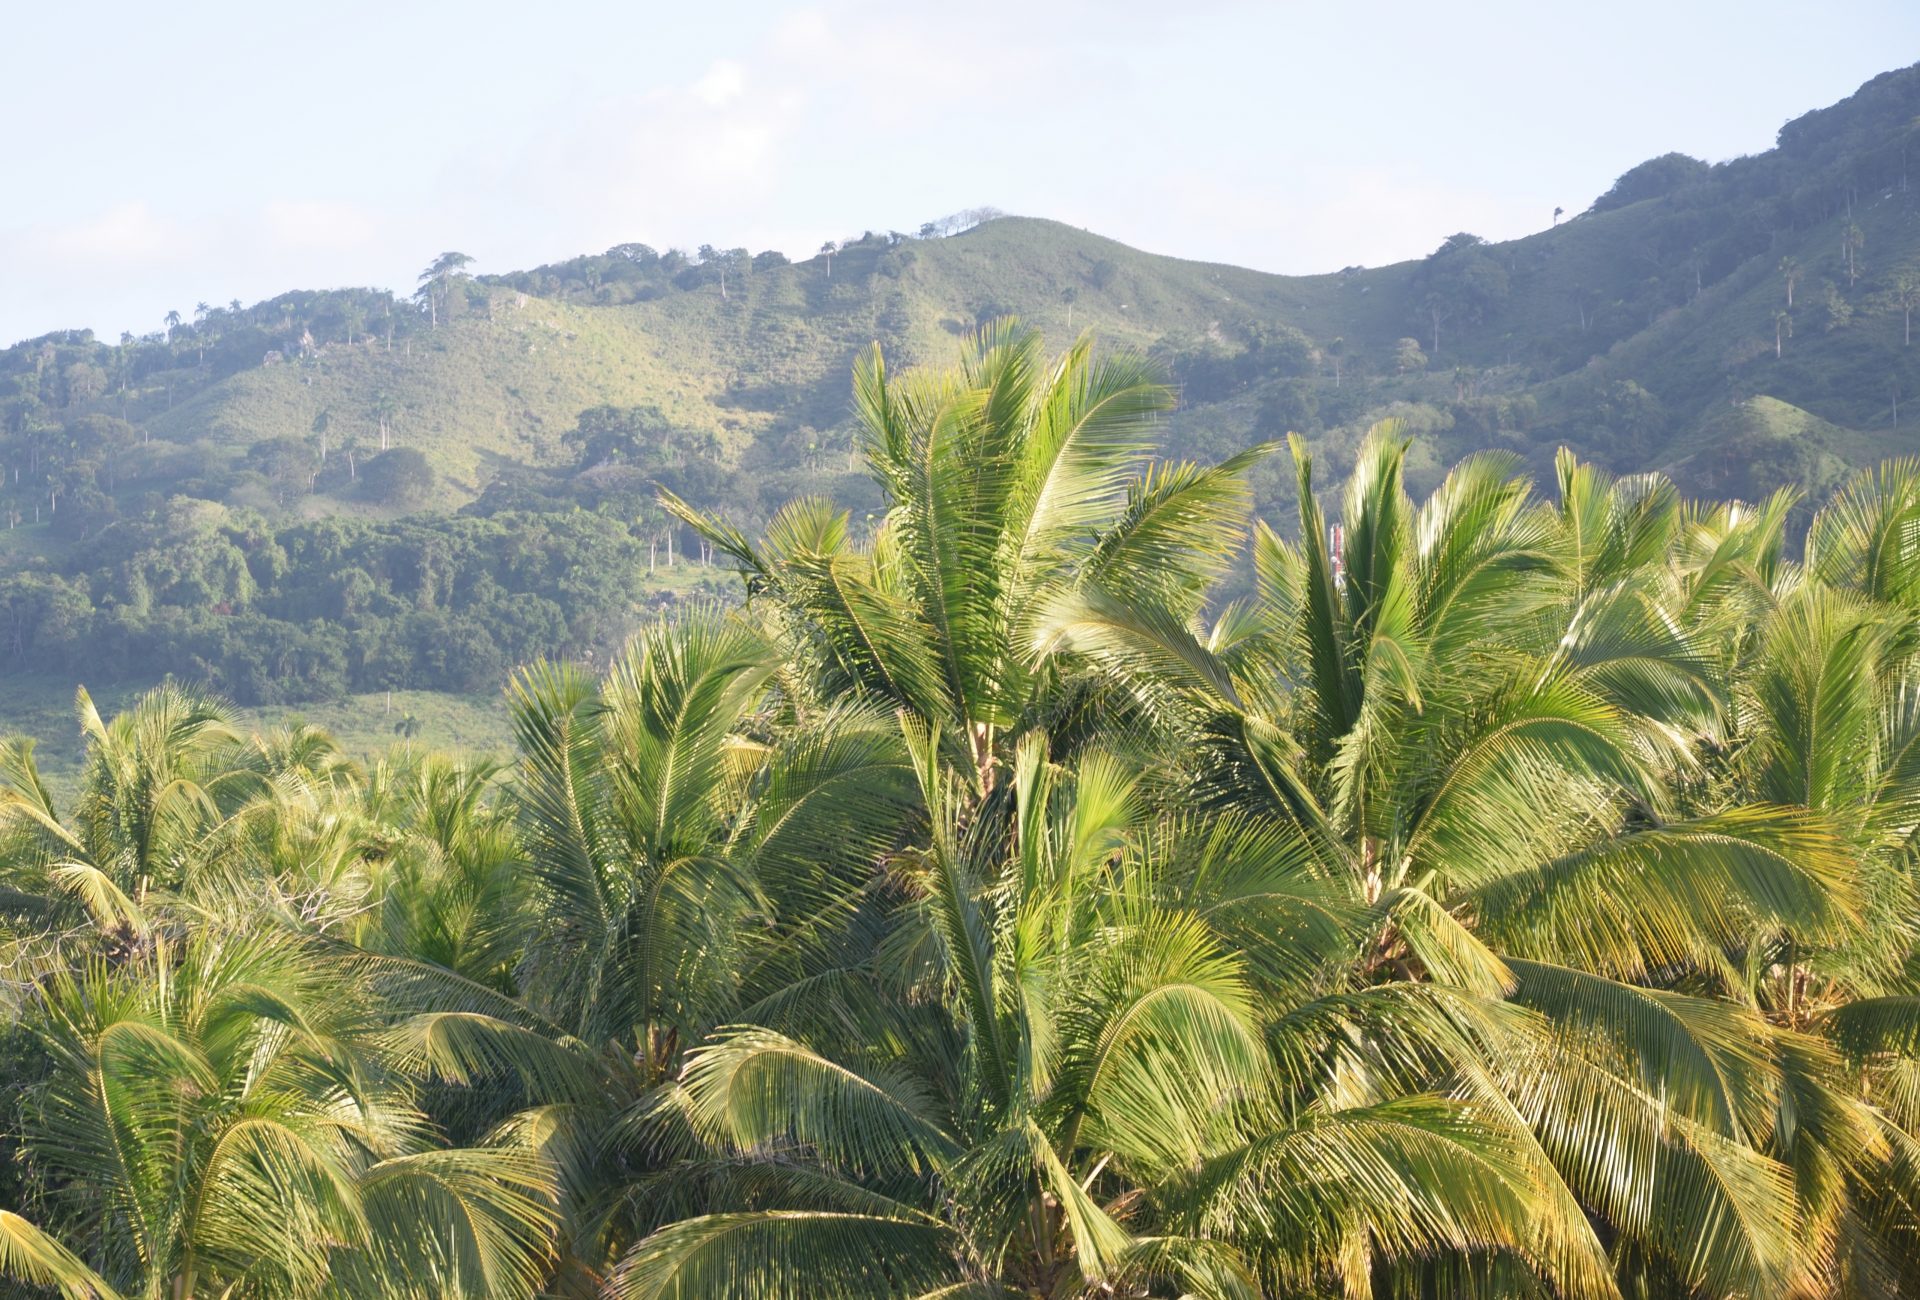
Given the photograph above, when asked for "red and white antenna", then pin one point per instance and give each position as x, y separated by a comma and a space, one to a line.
1336, 548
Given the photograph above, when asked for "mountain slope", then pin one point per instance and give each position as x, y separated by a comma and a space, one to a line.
1674, 282
341, 492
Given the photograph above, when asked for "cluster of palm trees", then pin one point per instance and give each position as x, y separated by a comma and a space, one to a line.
1518, 902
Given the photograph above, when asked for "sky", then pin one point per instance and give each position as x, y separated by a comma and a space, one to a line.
163, 155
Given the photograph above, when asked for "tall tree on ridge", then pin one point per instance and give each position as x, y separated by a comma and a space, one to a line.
438, 279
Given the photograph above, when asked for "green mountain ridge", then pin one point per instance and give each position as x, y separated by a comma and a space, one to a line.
1676, 291
295, 462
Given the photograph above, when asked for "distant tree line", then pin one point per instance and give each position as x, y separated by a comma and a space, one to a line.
635, 272
314, 610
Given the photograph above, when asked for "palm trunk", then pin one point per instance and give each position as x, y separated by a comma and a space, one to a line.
980, 742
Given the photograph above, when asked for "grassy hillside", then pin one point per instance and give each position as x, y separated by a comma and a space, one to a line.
762, 369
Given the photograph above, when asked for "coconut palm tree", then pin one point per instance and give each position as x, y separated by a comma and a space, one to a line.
1066, 1075
221, 1117
437, 280
1010, 480
155, 780
1512, 896
692, 846
1828, 715
1482, 715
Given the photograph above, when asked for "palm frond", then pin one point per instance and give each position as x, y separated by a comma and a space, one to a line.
788, 1255
752, 1089
30, 1256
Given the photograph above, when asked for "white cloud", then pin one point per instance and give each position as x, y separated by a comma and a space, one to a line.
724, 82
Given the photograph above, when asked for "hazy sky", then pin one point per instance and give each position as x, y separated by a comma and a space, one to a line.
161, 154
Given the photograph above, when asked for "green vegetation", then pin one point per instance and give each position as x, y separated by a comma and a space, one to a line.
314, 611
1518, 900
363, 726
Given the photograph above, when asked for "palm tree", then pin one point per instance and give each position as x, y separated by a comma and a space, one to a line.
151, 786
1512, 896
436, 280
221, 1117
1906, 296
447, 885
688, 855
1087, 1086
385, 407
1480, 715
1012, 482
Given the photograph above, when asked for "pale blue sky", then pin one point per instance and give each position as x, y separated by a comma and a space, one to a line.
163, 154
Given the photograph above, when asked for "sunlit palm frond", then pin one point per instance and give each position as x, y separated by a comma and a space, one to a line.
789, 1255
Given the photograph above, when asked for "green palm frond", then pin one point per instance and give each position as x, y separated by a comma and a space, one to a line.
1087, 426
1710, 1060
1817, 694
1446, 949
1481, 555
478, 1222
30, 1256
669, 707
1331, 672
1613, 528
1414, 1175
1649, 900
1872, 1028
870, 638
465, 1047
952, 888
789, 1255
1265, 890
1867, 538
1721, 1214
751, 1089
1179, 529
1158, 1042
1624, 644
556, 722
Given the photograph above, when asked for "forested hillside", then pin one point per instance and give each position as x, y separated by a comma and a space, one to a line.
264, 497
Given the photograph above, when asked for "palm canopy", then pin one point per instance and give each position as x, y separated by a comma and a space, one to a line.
222, 1116
690, 848
1503, 723
1011, 479
1089, 1089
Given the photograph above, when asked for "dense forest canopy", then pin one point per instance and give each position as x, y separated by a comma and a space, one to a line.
1516, 900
